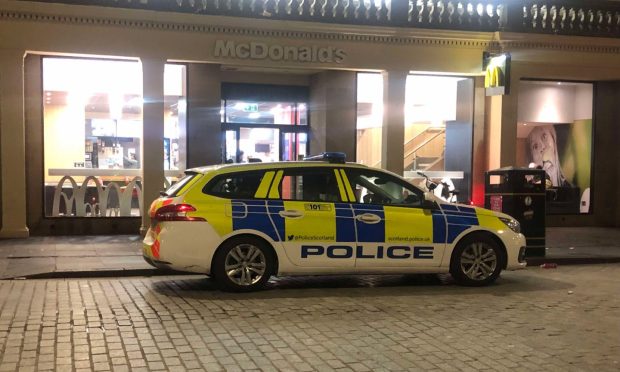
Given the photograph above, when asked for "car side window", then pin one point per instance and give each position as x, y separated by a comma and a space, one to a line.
242, 185
318, 184
372, 187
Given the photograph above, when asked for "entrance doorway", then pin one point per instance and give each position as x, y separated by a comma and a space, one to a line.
247, 145
264, 123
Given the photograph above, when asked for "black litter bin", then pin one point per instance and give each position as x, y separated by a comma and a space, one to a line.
520, 193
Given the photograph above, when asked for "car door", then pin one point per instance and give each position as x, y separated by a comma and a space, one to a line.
393, 229
315, 225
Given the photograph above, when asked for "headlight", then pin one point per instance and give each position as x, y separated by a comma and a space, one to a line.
512, 224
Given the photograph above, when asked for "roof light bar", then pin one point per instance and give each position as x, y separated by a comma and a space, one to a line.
332, 157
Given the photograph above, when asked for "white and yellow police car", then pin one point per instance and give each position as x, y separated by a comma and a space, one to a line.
243, 223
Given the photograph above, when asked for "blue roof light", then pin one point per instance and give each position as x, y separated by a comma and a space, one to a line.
332, 157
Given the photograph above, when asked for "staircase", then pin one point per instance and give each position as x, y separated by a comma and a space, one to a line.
425, 151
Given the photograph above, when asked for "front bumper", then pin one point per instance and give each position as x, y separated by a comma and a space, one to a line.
515, 248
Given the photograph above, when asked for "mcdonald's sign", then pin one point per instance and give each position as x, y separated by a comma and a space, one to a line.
496, 69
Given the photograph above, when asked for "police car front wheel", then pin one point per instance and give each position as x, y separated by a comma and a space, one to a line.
477, 261
242, 264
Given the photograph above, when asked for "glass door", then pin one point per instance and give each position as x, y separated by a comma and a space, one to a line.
264, 131
258, 145
294, 146
230, 146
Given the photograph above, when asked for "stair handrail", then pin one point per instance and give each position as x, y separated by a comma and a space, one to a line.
424, 143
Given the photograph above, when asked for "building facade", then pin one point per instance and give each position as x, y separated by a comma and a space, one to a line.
104, 105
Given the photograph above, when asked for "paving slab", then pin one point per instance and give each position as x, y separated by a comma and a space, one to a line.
531, 320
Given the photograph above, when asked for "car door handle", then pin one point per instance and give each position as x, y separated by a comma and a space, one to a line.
368, 218
291, 214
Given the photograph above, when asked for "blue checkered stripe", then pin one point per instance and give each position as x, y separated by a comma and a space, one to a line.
262, 215
255, 215
457, 220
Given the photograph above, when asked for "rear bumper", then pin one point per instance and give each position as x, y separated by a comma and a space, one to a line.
156, 263
180, 246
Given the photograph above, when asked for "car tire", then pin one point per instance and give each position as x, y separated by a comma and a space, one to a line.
476, 261
243, 264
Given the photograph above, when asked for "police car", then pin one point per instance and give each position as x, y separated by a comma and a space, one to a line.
243, 223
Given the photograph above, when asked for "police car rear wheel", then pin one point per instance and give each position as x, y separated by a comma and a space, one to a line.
242, 265
476, 261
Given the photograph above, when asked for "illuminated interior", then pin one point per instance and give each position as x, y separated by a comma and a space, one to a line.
264, 131
430, 102
93, 119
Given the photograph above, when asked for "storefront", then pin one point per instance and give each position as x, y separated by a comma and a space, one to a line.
104, 107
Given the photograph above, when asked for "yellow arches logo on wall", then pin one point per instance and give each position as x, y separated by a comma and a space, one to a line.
496, 69
494, 77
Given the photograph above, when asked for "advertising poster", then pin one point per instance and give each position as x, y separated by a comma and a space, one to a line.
564, 151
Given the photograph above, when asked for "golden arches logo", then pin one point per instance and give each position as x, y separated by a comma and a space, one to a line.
493, 77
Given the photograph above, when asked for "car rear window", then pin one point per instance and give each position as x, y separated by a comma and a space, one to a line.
242, 185
176, 187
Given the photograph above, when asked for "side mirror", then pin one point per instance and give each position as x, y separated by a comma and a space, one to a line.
429, 201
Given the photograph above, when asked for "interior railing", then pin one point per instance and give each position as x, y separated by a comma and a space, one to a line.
565, 17
419, 142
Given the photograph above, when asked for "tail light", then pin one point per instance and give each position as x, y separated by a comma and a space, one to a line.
176, 212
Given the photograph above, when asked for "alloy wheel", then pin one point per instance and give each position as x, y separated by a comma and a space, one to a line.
245, 264
478, 261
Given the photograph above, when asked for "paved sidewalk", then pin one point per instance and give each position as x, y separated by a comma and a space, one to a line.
581, 245
116, 255
120, 255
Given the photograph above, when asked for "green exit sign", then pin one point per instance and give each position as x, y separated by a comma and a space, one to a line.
250, 107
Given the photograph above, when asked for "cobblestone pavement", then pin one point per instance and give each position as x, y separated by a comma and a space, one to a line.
555, 319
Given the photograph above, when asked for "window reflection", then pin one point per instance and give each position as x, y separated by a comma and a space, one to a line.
248, 112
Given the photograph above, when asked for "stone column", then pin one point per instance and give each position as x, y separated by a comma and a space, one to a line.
508, 151
393, 136
204, 128
332, 112
152, 134
501, 132
479, 145
12, 144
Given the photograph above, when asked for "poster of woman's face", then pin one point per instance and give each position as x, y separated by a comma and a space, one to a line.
543, 151
563, 151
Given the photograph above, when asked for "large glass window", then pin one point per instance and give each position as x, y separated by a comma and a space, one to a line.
93, 135
554, 133
439, 131
369, 118
175, 118
438, 128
